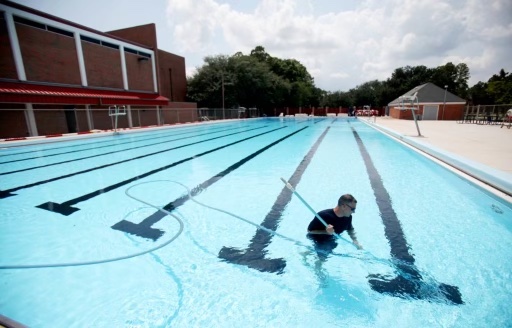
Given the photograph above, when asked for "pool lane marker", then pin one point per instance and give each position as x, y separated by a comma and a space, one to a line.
144, 228
66, 207
410, 282
108, 139
126, 149
9, 192
113, 143
254, 255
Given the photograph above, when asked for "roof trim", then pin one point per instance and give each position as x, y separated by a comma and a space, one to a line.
15, 92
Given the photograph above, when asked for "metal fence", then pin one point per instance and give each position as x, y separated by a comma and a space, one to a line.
210, 114
485, 114
21, 122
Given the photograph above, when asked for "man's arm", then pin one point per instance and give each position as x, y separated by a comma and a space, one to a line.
352, 234
329, 230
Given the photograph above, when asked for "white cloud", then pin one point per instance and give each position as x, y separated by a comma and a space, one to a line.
344, 48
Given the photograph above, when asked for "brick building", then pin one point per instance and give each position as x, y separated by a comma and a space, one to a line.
433, 103
60, 77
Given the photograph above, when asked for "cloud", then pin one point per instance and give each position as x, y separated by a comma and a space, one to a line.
345, 47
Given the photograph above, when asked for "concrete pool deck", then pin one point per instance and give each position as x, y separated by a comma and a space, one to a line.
482, 151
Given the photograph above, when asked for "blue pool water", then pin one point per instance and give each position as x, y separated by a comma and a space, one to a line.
437, 247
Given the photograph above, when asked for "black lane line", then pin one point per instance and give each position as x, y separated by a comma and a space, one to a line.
112, 145
400, 286
119, 151
144, 229
9, 192
66, 208
254, 255
95, 141
99, 140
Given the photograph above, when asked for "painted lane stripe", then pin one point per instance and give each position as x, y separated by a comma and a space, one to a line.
66, 208
107, 138
411, 284
254, 255
144, 228
99, 140
126, 149
9, 192
114, 143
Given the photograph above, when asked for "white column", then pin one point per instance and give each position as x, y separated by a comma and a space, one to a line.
153, 67
158, 120
123, 67
80, 55
88, 114
31, 120
129, 110
15, 46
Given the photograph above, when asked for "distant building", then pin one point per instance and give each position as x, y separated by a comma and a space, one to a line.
432, 104
60, 77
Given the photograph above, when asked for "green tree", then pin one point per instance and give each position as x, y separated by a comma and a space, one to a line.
260, 54
478, 94
455, 77
336, 99
402, 80
254, 80
499, 87
461, 80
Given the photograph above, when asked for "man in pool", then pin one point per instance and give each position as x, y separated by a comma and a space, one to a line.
338, 219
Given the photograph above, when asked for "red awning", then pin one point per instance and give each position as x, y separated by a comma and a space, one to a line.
14, 92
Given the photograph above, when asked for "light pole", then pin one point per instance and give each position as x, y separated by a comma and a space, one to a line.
223, 109
444, 101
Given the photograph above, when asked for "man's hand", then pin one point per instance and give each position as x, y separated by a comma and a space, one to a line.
358, 245
329, 229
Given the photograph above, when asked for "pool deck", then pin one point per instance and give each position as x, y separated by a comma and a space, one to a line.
477, 149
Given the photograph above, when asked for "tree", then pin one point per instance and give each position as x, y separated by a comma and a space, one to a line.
402, 80
499, 87
336, 99
454, 77
254, 80
461, 80
478, 94
205, 86
260, 54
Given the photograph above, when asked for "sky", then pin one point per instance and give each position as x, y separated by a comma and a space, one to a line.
342, 43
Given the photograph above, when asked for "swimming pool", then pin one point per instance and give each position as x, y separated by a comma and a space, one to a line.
437, 246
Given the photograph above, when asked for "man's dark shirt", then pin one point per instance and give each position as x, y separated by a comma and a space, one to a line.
340, 224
